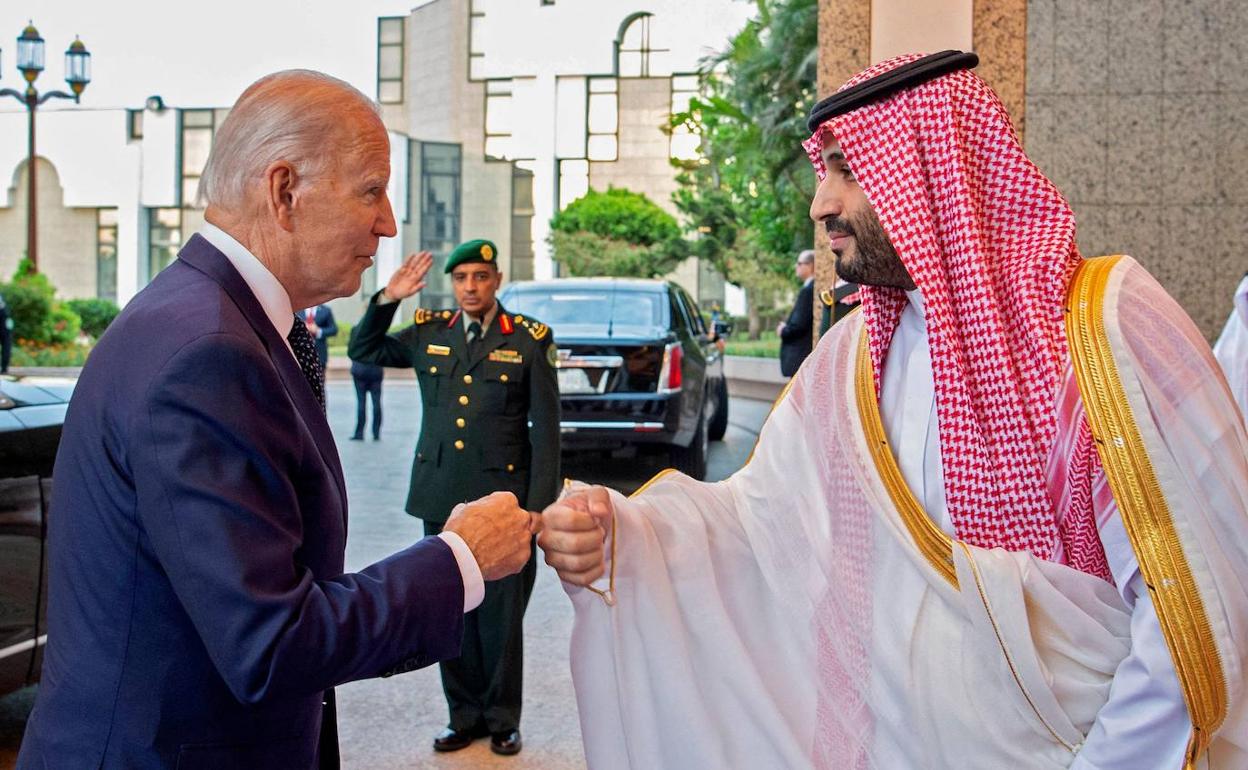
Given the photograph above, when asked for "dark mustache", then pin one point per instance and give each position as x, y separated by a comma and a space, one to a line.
836, 224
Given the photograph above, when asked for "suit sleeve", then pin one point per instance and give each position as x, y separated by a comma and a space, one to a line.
544, 434
371, 342
330, 327
217, 474
802, 318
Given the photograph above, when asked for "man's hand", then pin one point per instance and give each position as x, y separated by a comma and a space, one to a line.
574, 530
410, 277
497, 531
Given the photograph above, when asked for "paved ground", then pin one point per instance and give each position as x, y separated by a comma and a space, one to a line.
389, 724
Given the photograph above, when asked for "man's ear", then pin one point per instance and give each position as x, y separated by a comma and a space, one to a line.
280, 180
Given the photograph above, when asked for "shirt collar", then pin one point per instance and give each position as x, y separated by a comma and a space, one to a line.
485, 321
264, 285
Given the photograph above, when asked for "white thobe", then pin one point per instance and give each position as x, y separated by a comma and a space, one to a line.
1144, 723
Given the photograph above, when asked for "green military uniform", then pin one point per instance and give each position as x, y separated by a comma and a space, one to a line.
475, 438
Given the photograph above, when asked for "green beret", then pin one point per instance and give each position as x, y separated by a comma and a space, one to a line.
479, 250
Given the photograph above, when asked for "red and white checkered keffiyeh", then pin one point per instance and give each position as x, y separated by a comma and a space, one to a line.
990, 242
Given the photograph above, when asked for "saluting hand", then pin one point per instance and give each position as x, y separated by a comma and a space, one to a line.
497, 531
574, 531
410, 277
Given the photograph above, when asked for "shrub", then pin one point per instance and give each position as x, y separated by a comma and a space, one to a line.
30, 308
96, 314
618, 233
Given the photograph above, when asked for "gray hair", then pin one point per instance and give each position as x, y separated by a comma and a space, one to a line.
806, 257
291, 115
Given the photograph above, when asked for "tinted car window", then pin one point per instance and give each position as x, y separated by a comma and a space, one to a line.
589, 306
695, 318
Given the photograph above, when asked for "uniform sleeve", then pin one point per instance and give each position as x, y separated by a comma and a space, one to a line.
371, 342
1144, 723
544, 432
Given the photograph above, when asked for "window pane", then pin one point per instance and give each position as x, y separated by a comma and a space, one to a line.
196, 144
630, 64
390, 62
390, 91
168, 218
500, 87
602, 85
190, 192
440, 158
685, 146
603, 113
602, 147
197, 118
684, 82
108, 218
390, 30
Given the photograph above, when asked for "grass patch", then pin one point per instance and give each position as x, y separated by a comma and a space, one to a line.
767, 346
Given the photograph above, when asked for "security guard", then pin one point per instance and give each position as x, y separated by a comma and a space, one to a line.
485, 375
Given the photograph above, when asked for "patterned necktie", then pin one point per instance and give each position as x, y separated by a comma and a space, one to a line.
305, 353
474, 337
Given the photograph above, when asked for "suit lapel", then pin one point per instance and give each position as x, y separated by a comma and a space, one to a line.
204, 257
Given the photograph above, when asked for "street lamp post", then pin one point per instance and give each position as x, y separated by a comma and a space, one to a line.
30, 62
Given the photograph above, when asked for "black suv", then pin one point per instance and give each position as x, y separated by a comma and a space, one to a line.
32, 410
637, 364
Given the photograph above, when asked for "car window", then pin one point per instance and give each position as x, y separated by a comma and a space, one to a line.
588, 306
695, 316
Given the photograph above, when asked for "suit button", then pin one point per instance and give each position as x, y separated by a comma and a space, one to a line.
503, 377
460, 421
467, 379
459, 444
510, 467
463, 400
433, 370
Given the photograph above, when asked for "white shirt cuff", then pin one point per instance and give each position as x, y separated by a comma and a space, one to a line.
384, 299
474, 584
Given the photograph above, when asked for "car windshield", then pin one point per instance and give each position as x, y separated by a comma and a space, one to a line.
590, 307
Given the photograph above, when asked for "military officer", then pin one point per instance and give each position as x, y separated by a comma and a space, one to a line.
485, 376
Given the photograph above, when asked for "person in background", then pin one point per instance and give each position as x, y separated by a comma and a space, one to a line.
796, 332
367, 379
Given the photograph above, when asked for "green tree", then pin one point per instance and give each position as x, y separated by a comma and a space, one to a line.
96, 314
754, 182
616, 233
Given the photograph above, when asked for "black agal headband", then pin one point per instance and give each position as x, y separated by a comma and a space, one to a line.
888, 83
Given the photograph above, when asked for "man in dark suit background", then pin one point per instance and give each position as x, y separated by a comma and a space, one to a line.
489, 420
320, 322
199, 615
796, 333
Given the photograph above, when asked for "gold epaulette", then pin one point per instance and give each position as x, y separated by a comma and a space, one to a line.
827, 297
425, 315
534, 327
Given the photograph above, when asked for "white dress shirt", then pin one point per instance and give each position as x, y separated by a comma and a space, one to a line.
1144, 723
275, 302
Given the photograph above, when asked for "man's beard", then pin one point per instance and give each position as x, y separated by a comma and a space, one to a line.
873, 261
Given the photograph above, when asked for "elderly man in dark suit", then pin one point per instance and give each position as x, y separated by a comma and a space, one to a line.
199, 615
797, 333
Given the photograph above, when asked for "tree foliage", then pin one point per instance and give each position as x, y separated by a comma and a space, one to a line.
754, 182
616, 233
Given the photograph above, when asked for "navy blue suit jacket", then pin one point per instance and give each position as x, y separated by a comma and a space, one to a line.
198, 608
324, 318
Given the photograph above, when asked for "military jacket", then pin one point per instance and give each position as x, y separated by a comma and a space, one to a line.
490, 419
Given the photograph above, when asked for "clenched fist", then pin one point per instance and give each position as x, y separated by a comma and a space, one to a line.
574, 531
497, 531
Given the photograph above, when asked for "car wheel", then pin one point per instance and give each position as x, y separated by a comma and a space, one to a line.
719, 420
691, 460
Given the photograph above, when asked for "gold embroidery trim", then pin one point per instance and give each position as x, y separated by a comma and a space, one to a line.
1145, 514
932, 542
